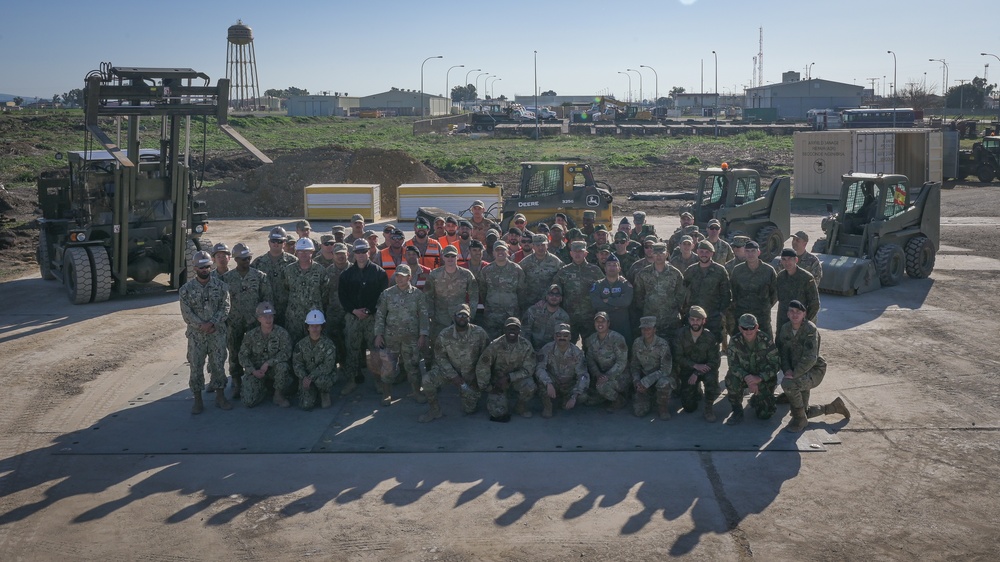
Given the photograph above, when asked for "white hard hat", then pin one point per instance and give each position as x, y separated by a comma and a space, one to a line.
315, 317
305, 244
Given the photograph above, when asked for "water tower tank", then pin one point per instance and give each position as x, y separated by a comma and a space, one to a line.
241, 68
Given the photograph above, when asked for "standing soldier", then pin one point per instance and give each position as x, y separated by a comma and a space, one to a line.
640, 228
447, 287
359, 290
508, 361
264, 355
430, 249
314, 363
659, 292
707, 285
804, 368
502, 281
645, 259
334, 327
651, 366
561, 372
687, 222
807, 260
613, 295
205, 306
697, 360
392, 255
324, 256
739, 256
221, 256
418, 271
753, 366
723, 251
684, 255
587, 227
401, 327
755, 288
576, 279
795, 283
272, 264
306, 283
539, 269
541, 319
456, 351
557, 243
624, 250
357, 229
480, 224
338, 233
607, 364
247, 288
304, 230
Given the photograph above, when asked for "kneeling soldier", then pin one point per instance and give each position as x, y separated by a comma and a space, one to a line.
753, 366
697, 360
561, 371
509, 361
314, 362
264, 357
651, 367
456, 350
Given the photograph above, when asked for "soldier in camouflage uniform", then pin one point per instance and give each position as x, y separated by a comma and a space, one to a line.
503, 282
205, 306
659, 292
576, 279
755, 288
643, 260
807, 260
539, 325
220, 257
265, 356
795, 283
697, 361
686, 228
651, 367
753, 366
804, 368
248, 287
723, 251
707, 285
272, 264
561, 372
324, 255
508, 361
401, 326
447, 287
640, 228
739, 256
456, 351
314, 363
607, 364
625, 249
334, 327
539, 269
684, 255
306, 284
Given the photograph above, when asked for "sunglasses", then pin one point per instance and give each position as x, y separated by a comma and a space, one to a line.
360, 251
422, 227
204, 267
275, 241
748, 329
396, 237
715, 228
329, 243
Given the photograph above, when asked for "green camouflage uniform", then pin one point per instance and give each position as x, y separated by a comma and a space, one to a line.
709, 288
276, 350
799, 352
754, 292
334, 312
637, 267
562, 253
576, 281
199, 304
704, 351
723, 252
811, 263
640, 234
445, 291
566, 371
729, 321
608, 357
401, 318
539, 325
626, 261
802, 287
514, 361
307, 290
760, 359
245, 293
652, 365
455, 356
660, 294
318, 361
677, 260
503, 287
538, 274
273, 267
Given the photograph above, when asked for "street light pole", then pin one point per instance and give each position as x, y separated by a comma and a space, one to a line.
466, 84
447, 92
811, 70
640, 82
716, 112
538, 135
998, 99
656, 85
422, 114
629, 76
944, 90
493, 95
478, 76
893, 88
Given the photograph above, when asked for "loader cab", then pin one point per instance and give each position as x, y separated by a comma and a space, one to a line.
547, 188
724, 187
867, 200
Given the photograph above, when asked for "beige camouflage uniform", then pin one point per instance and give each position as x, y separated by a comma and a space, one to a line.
576, 281
504, 365
200, 304
276, 350
539, 325
651, 365
566, 371
445, 291
608, 357
660, 294
455, 357
318, 361
307, 290
503, 286
538, 274
401, 318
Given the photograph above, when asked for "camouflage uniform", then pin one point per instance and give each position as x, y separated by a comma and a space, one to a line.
318, 361
307, 290
660, 294
626, 261
199, 304
799, 353
811, 263
640, 234
455, 356
678, 261
334, 311
538, 274
576, 281
401, 318
608, 357
709, 288
445, 291
723, 252
245, 293
759, 358
755, 291
273, 268
503, 286
802, 287
539, 325
637, 267
515, 362
652, 366
276, 350
690, 353
566, 371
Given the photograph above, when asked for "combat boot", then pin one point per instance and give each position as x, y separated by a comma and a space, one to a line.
280, 400
324, 400
663, 405
837, 407
237, 387
799, 421
522, 408
199, 404
416, 394
220, 400
433, 413
386, 393
781, 399
709, 412
546, 406
349, 387
737, 417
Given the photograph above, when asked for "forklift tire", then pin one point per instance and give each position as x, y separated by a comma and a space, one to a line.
890, 263
920, 256
43, 258
100, 263
985, 173
771, 242
77, 275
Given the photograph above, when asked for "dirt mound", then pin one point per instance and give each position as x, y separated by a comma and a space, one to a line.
276, 189
18, 232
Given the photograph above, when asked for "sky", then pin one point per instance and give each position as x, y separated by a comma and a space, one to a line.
367, 47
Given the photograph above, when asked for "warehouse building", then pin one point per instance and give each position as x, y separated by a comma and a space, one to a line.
794, 97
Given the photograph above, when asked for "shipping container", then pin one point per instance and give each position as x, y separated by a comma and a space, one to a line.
340, 201
455, 198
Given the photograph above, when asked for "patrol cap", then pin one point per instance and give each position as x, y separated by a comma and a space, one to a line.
687, 215
691, 229
290, 238
357, 217
687, 238
388, 228
202, 259
621, 237
302, 225
539, 239
590, 214
499, 244
748, 321
574, 233
624, 221
475, 244
542, 227
751, 245
264, 308
519, 217
562, 328
338, 228
555, 288
403, 269
221, 247
369, 233
462, 309
451, 220
241, 250
556, 227
340, 247
639, 216
602, 248
561, 216
326, 238
697, 312
600, 228
315, 317
578, 245
797, 305
789, 253
449, 251
740, 241
714, 222
601, 314
478, 203
650, 238
612, 258
647, 322
493, 232
512, 321
412, 248
305, 244
277, 233
659, 248
465, 223
360, 246
801, 236
706, 245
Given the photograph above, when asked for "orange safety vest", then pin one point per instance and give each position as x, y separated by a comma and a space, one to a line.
432, 257
387, 263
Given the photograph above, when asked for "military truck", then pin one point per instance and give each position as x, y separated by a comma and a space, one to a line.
882, 227
735, 196
983, 160
119, 213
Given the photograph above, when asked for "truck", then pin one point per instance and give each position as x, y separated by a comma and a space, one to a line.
982, 161
492, 115
119, 213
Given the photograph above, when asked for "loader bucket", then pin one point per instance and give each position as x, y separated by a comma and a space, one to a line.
847, 276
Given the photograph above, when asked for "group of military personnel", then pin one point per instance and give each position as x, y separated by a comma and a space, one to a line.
494, 313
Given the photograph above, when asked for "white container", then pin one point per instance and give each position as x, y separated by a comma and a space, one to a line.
455, 198
340, 201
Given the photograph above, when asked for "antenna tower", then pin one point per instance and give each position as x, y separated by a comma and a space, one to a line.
760, 59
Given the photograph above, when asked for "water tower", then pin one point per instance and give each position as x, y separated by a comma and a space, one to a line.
241, 68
